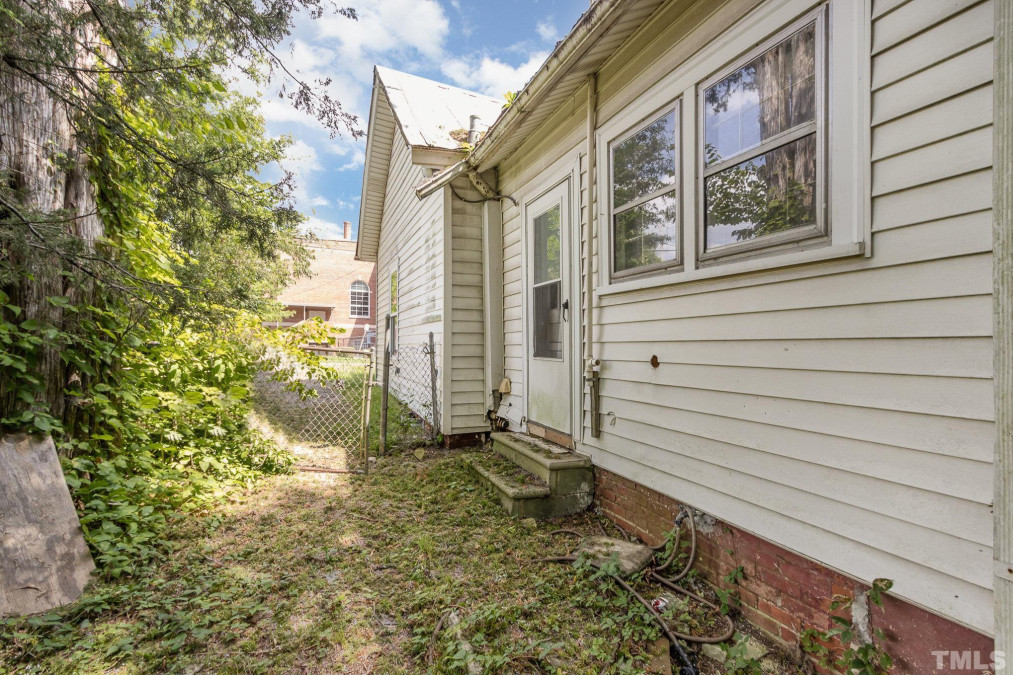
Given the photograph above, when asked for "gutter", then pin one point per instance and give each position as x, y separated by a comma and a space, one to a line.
599, 16
443, 178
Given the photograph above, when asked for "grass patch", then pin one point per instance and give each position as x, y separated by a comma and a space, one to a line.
405, 429
335, 573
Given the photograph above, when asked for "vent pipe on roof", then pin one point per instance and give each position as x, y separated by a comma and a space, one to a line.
348, 231
473, 130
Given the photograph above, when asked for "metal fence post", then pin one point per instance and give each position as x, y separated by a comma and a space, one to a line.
367, 393
432, 382
386, 387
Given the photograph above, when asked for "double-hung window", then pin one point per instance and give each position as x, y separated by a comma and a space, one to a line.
762, 153
723, 165
645, 205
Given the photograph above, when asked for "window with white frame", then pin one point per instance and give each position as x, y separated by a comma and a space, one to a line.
762, 150
322, 314
724, 164
644, 195
359, 300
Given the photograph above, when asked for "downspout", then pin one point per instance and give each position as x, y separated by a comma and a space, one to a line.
1002, 307
591, 365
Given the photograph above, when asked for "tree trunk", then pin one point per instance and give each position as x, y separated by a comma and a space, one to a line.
44, 560
42, 161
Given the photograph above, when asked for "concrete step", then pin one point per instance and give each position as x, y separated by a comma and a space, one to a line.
523, 494
564, 471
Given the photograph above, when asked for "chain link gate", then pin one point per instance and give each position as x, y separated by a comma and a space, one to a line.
336, 413
410, 400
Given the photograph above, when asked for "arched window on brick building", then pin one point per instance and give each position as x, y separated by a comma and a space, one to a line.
359, 300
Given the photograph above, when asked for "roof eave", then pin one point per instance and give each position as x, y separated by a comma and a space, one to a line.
589, 28
366, 170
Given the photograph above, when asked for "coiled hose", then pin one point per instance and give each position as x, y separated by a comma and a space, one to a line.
670, 583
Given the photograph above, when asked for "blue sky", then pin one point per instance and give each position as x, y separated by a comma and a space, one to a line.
488, 47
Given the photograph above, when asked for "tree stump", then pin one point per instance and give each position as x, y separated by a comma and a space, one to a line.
44, 560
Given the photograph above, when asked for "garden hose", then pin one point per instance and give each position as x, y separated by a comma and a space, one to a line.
670, 583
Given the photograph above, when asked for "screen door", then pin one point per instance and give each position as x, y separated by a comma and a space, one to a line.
549, 316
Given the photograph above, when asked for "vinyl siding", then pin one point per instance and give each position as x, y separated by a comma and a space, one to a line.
512, 406
467, 343
842, 409
412, 242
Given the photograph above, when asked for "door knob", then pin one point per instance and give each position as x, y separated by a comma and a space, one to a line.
566, 308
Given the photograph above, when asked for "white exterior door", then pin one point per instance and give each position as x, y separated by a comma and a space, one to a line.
549, 315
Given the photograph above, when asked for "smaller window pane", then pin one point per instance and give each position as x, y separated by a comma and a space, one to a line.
773, 192
645, 162
548, 342
547, 245
647, 234
769, 95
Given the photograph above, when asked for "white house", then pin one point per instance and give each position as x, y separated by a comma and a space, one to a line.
781, 213
417, 127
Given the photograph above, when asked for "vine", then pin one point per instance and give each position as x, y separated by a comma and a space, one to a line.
861, 655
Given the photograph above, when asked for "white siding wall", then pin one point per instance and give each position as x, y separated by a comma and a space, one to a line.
467, 357
842, 410
411, 240
512, 406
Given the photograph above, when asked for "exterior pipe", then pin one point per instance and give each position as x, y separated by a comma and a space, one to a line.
590, 363
1002, 307
592, 121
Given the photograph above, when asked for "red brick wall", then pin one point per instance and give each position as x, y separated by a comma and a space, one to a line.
341, 281
782, 592
333, 269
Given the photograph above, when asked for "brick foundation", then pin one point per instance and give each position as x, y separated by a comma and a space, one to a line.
783, 593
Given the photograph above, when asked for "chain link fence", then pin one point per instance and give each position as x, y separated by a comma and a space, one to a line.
410, 398
330, 411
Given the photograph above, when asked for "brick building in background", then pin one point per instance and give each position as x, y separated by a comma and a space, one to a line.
340, 290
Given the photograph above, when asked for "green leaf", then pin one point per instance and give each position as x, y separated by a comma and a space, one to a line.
238, 393
149, 402
193, 397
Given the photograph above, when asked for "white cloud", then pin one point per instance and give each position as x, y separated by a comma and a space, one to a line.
357, 160
306, 56
324, 229
279, 110
388, 26
546, 30
347, 205
491, 76
301, 158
